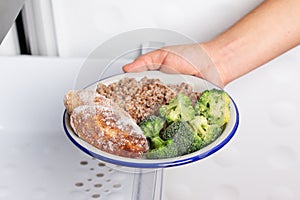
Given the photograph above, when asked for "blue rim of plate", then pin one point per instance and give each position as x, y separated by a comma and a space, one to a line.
158, 163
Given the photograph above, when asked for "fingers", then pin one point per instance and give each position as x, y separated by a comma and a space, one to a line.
180, 59
136, 66
150, 61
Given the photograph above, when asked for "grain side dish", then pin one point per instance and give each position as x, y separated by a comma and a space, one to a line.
146, 118
143, 98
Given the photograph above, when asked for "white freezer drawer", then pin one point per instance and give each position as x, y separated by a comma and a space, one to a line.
38, 162
37, 159
262, 161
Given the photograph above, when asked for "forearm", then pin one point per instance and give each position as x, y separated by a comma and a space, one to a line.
268, 31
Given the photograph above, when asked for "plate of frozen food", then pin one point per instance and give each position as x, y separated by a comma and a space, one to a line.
150, 119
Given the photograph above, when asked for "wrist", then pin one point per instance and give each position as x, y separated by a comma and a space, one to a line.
220, 57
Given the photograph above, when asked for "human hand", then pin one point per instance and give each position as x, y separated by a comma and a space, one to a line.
189, 59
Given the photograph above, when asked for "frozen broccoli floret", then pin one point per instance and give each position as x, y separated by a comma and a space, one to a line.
199, 124
181, 128
170, 131
214, 105
197, 143
183, 137
212, 133
178, 136
179, 108
151, 127
169, 150
206, 132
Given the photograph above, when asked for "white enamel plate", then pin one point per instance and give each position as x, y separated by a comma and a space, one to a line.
199, 85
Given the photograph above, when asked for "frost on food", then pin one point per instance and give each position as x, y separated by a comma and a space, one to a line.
147, 118
101, 123
144, 97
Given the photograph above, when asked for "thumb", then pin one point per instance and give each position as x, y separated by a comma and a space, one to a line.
135, 66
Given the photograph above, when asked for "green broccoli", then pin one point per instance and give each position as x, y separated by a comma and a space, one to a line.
183, 137
179, 108
206, 132
196, 145
169, 150
214, 105
181, 128
178, 138
151, 127
212, 133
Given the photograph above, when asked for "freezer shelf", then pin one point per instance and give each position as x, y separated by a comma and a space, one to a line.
47, 166
37, 159
261, 162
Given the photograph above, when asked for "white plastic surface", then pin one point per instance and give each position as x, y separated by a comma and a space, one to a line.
37, 159
261, 162
47, 166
